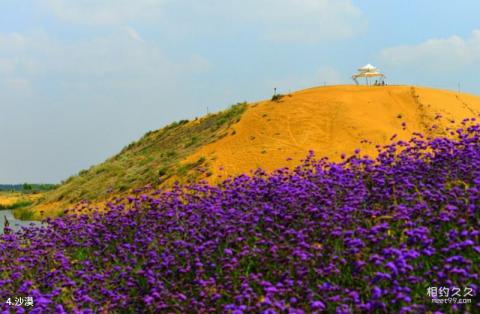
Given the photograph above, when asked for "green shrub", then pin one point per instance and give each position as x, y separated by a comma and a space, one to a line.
23, 214
82, 172
163, 171
192, 141
277, 97
171, 154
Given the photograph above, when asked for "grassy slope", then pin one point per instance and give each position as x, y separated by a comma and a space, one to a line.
329, 120
154, 159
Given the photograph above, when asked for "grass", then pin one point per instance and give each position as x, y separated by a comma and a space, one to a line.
155, 159
15, 200
18, 204
24, 213
277, 97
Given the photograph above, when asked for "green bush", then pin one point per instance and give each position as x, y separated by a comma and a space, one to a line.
277, 97
23, 214
163, 171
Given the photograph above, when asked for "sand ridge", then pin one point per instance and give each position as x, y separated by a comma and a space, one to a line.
330, 121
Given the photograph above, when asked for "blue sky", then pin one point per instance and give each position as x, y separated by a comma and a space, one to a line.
81, 79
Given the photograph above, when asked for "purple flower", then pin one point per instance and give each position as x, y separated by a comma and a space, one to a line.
376, 292
318, 305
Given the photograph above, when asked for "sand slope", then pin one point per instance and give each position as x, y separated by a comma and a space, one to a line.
330, 120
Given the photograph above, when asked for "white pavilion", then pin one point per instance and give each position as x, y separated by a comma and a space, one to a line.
369, 71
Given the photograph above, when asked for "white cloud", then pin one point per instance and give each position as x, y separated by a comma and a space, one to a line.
119, 56
134, 34
105, 11
290, 21
17, 54
13, 41
308, 20
453, 54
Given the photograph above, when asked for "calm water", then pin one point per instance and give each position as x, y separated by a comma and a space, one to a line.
15, 224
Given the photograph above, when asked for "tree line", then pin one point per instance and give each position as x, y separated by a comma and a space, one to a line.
27, 187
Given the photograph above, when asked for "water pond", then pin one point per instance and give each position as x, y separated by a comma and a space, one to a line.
15, 224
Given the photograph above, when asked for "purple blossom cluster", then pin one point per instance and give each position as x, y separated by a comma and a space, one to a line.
363, 235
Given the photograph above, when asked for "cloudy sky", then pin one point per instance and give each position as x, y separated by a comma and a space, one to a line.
81, 79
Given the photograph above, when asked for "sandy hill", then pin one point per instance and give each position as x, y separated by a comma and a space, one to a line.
268, 134
330, 121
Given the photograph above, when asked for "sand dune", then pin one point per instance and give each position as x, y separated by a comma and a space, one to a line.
330, 121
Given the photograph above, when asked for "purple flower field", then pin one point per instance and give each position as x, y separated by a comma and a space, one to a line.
364, 235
